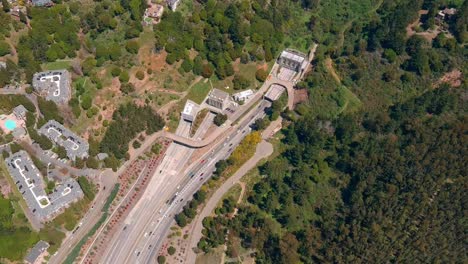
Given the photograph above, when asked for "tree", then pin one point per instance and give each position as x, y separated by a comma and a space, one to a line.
6, 6
140, 75
240, 82
132, 46
86, 101
171, 250
116, 71
220, 119
124, 77
261, 75
207, 70
4, 48
61, 152
161, 259
187, 65
181, 220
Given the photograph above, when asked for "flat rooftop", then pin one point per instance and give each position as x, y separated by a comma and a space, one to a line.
218, 94
53, 85
293, 55
274, 92
75, 146
190, 108
29, 182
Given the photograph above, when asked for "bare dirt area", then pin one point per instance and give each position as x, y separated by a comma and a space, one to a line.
300, 96
263, 66
157, 61
453, 78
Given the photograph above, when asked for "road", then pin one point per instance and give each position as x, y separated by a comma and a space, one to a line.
147, 228
149, 246
166, 175
264, 149
107, 181
143, 231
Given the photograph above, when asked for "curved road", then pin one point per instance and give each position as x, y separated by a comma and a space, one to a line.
264, 149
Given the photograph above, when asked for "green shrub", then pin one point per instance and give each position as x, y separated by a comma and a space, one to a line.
124, 77
261, 75
115, 71
171, 250
140, 75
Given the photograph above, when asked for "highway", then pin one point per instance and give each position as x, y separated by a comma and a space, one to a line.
166, 176
141, 235
149, 246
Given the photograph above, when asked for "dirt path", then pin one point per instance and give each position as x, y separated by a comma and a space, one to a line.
164, 110
331, 69
241, 195
264, 149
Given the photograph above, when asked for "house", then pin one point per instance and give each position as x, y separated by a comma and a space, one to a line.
36, 254
218, 99
190, 111
443, 16
53, 85
153, 14
173, 4
244, 95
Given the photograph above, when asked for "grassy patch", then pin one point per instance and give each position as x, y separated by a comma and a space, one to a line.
213, 257
76, 250
53, 236
14, 242
70, 217
57, 65
233, 193
351, 101
159, 99
199, 91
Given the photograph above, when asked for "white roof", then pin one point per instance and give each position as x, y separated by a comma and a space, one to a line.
245, 93
190, 108
289, 55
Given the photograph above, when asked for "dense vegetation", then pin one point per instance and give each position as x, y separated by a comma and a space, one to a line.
372, 167
385, 187
223, 31
128, 121
10, 235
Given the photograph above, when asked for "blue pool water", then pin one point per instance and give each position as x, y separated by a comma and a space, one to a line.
10, 124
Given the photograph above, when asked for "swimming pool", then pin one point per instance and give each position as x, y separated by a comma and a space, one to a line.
10, 124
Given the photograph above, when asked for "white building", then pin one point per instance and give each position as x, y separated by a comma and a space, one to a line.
173, 4
190, 111
244, 95
293, 60
218, 99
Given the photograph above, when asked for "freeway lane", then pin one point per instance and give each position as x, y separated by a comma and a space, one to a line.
162, 184
148, 213
149, 246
